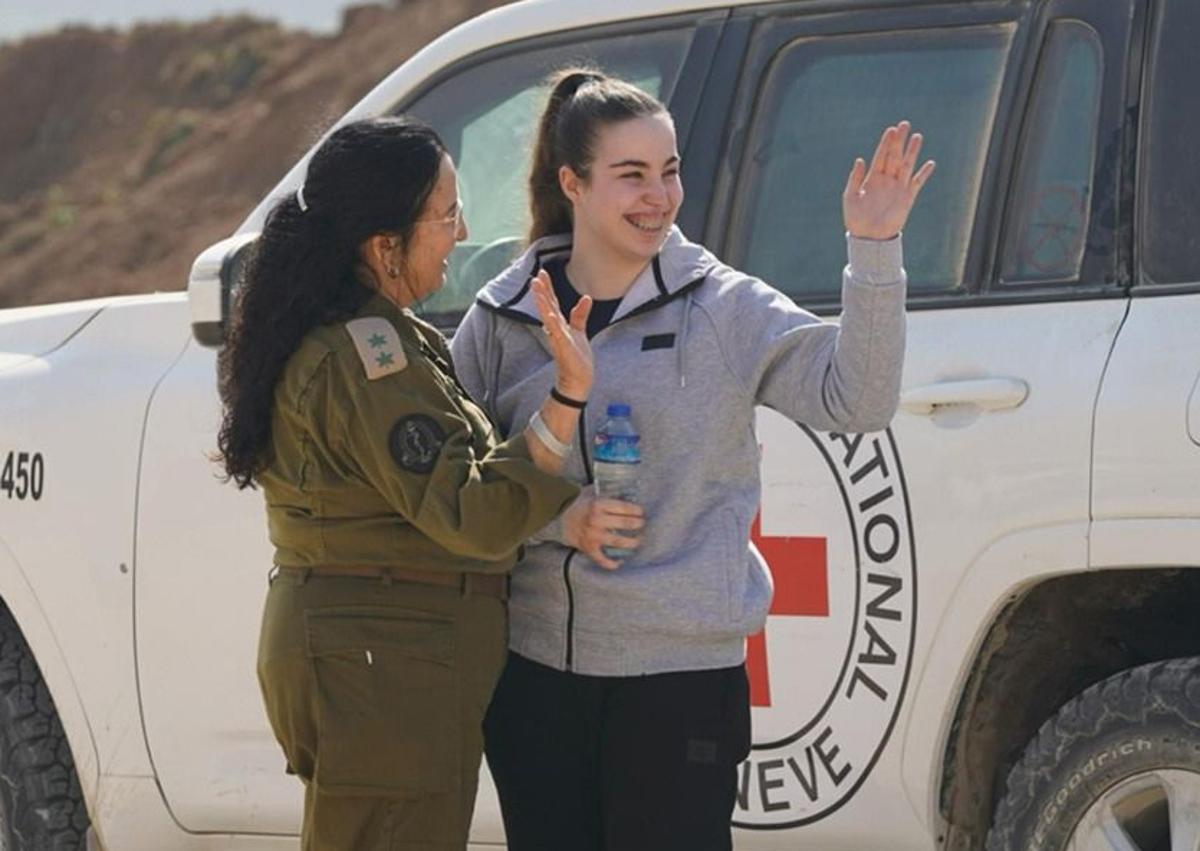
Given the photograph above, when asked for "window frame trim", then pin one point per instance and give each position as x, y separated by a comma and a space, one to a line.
1118, 68
1025, 130
775, 26
1142, 286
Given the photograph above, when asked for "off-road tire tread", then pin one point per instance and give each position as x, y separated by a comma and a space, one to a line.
42, 802
1132, 698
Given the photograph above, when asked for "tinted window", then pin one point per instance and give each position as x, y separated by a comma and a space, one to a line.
1170, 159
1050, 205
826, 100
488, 114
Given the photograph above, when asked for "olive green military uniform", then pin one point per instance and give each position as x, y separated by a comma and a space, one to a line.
383, 474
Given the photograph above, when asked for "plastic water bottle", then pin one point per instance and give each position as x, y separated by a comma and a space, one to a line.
615, 461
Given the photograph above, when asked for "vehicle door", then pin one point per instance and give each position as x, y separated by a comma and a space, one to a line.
1146, 499
879, 543
203, 553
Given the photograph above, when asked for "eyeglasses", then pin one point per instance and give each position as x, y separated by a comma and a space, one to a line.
455, 218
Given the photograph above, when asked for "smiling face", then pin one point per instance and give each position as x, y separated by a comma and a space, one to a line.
438, 228
631, 194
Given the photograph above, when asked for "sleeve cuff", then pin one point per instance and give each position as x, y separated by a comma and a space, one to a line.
551, 532
517, 446
876, 261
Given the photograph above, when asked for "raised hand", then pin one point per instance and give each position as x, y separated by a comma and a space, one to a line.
877, 201
568, 339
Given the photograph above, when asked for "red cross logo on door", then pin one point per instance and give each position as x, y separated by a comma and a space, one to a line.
800, 568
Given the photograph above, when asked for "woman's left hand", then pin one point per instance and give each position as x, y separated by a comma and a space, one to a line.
877, 202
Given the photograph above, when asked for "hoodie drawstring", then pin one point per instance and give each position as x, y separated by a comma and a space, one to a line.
491, 366
681, 346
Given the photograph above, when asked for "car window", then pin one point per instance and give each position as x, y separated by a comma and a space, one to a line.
1051, 200
825, 100
487, 115
1170, 233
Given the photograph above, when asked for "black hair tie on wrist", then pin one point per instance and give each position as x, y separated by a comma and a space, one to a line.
566, 400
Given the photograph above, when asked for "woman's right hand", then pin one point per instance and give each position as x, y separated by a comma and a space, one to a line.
568, 339
591, 523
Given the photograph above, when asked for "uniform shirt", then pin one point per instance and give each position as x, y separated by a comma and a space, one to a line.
379, 457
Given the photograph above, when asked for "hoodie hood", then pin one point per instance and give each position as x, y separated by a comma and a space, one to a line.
678, 266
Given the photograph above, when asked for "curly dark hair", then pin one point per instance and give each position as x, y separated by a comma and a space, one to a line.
369, 177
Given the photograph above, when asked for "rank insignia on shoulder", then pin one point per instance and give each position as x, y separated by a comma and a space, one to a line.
415, 442
378, 345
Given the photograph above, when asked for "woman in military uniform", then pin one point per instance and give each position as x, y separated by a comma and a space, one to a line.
394, 510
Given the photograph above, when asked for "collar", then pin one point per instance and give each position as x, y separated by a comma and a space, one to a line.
677, 267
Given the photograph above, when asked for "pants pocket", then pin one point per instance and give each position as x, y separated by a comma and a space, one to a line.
387, 701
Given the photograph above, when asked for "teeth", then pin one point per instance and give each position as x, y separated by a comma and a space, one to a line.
648, 226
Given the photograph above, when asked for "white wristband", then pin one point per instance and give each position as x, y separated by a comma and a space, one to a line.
546, 436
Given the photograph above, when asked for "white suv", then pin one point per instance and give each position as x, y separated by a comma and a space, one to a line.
984, 629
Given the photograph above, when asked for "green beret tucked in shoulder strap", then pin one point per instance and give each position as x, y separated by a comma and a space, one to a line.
378, 345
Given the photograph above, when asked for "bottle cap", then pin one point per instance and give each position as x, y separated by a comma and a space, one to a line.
619, 410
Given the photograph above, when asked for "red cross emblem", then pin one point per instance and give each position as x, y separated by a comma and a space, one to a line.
800, 568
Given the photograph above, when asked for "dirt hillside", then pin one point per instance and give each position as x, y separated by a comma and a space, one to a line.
124, 153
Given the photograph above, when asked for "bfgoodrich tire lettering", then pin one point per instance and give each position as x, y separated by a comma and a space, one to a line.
1124, 752
41, 806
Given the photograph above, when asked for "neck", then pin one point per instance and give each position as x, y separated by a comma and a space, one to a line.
393, 289
600, 272
397, 293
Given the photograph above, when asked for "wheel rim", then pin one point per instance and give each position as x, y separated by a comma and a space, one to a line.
1152, 811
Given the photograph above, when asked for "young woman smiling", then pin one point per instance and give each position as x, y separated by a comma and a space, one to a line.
624, 708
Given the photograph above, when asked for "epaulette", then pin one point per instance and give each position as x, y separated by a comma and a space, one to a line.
378, 345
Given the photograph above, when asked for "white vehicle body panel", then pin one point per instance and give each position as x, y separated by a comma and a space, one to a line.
1146, 494
69, 555
201, 587
1147, 462
77, 538
979, 537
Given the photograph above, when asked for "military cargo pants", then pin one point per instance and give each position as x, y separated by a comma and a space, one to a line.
376, 690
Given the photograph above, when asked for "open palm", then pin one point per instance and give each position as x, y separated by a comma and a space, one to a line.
877, 201
567, 338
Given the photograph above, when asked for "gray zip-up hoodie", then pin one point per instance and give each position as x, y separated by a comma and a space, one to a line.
693, 347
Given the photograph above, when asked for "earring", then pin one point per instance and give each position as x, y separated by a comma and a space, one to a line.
393, 272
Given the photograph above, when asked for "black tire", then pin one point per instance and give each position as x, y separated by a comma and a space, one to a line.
1135, 726
41, 805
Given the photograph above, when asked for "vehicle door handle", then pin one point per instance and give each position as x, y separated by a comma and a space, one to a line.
991, 394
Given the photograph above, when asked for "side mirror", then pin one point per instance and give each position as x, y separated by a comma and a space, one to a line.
215, 275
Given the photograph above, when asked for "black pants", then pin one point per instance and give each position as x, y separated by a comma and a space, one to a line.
617, 763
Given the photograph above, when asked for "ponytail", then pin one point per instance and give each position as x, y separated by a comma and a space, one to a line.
581, 101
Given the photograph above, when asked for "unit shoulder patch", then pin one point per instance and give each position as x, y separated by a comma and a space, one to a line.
415, 442
378, 345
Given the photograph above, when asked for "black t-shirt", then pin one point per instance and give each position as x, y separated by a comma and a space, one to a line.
568, 297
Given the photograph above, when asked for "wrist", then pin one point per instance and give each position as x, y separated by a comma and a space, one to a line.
872, 237
556, 447
570, 526
571, 396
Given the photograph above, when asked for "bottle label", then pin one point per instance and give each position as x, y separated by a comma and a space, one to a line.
620, 448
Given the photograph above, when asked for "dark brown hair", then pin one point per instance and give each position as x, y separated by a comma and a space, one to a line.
582, 100
369, 177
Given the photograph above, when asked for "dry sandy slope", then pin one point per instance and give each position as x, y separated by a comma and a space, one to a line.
123, 154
